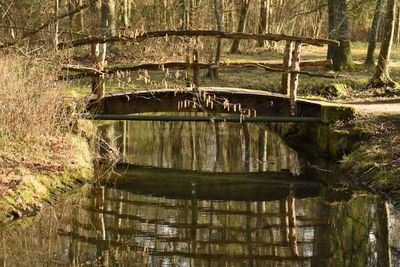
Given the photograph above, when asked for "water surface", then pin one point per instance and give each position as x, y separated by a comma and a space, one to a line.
217, 195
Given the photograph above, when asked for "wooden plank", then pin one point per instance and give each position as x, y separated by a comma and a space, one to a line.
192, 33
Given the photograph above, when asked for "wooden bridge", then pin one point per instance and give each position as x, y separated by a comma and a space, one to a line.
249, 104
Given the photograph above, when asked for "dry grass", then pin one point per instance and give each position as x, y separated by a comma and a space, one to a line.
33, 122
29, 101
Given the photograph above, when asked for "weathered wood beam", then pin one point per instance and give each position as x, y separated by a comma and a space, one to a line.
294, 77
214, 34
287, 61
98, 60
89, 72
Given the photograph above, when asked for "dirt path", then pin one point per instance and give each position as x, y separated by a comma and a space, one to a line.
376, 107
380, 107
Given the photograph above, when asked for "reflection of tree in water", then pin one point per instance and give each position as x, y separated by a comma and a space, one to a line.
362, 235
121, 226
221, 147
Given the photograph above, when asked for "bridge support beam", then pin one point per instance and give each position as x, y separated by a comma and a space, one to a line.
294, 77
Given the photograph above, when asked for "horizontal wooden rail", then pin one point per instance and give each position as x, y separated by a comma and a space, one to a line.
213, 34
90, 72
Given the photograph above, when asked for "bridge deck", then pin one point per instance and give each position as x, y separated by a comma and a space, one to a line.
171, 100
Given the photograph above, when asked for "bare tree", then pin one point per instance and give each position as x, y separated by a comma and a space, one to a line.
370, 60
263, 21
126, 13
78, 18
213, 73
242, 22
108, 21
382, 76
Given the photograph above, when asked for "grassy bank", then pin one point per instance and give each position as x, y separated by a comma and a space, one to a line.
41, 152
376, 157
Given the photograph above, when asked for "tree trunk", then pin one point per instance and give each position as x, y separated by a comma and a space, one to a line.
398, 26
242, 22
126, 13
78, 18
382, 77
213, 73
370, 60
262, 25
108, 23
339, 30
56, 25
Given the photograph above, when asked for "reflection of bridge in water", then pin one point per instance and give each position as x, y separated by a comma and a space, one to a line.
151, 220
192, 227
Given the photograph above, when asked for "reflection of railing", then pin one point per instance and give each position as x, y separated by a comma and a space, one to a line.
290, 66
198, 230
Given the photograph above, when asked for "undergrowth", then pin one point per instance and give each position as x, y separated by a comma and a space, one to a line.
34, 123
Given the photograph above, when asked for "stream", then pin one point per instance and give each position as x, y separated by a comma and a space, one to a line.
204, 194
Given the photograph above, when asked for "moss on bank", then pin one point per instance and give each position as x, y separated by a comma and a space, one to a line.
375, 158
326, 138
39, 188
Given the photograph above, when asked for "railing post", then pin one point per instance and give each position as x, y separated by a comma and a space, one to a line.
98, 60
294, 77
287, 61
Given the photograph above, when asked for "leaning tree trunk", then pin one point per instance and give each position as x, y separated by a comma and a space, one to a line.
370, 60
339, 30
382, 77
242, 22
262, 25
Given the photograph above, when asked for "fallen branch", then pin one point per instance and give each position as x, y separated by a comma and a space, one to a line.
215, 34
90, 72
51, 21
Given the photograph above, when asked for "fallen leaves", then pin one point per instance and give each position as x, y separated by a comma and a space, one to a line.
54, 157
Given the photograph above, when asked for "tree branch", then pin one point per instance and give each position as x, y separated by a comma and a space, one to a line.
51, 21
213, 34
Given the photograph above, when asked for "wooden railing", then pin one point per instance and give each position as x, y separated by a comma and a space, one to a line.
290, 67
